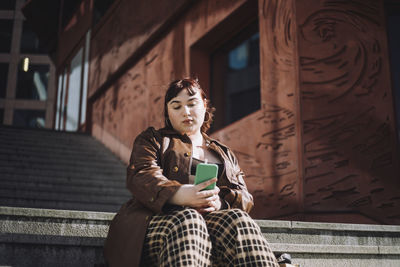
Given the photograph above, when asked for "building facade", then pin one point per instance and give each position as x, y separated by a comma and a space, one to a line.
305, 91
27, 75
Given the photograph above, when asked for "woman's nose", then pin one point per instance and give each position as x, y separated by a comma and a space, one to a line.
186, 110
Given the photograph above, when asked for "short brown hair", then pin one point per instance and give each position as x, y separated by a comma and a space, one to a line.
192, 86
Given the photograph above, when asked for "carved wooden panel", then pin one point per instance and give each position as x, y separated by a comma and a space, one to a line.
266, 141
350, 154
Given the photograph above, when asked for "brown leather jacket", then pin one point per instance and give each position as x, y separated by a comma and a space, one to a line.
159, 164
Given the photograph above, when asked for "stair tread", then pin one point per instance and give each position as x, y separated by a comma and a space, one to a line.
47, 168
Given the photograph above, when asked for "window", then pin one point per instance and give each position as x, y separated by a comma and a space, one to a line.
6, 28
72, 91
235, 77
32, 80
3, 79
29, 41
85, 78
393, 32
58, 104
7, 4
63, 93
29, 118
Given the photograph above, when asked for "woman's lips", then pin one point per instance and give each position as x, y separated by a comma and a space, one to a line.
188, 121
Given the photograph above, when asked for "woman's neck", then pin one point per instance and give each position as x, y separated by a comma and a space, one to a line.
197, 139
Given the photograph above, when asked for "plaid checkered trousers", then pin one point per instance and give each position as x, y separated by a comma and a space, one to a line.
221, 238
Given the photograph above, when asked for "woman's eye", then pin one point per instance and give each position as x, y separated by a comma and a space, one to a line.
176, 107
192, 104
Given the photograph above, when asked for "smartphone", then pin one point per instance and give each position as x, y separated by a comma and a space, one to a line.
205, 172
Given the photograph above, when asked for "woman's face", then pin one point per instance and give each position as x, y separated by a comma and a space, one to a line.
186, 113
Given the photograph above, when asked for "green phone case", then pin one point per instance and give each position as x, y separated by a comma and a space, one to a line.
205, 172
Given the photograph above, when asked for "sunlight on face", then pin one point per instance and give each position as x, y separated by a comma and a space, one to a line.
186, 113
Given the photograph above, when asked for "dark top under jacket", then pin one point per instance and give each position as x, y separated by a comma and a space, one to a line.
160, 163
195, 162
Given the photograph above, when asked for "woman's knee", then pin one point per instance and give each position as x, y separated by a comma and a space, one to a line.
187, 215
188, 218
238, 213
241, 219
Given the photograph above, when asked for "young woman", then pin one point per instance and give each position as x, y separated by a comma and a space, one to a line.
172, 222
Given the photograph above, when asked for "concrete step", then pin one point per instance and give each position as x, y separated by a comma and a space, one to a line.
335, 244
20, 142
63, 188
77, 167
59, 160
55, 171
39, 181
82, 196
60, 170
75, 238
40, 237
42, 135
57, 154
60, 204
53, 151
113, 179
38, 140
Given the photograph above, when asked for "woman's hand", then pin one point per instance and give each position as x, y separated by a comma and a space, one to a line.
213, 206
191, 196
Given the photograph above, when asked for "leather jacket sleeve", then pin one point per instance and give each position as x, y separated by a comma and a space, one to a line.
236, 194
145, 179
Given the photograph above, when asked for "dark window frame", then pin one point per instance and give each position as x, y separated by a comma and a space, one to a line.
6, 36
29, 114
392, 8
1, 116
5, 81
8, 5
28, 36
21, 92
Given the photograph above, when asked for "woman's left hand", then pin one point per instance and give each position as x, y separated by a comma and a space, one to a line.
211, 206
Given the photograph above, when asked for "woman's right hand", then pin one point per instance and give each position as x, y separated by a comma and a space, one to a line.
190, 195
